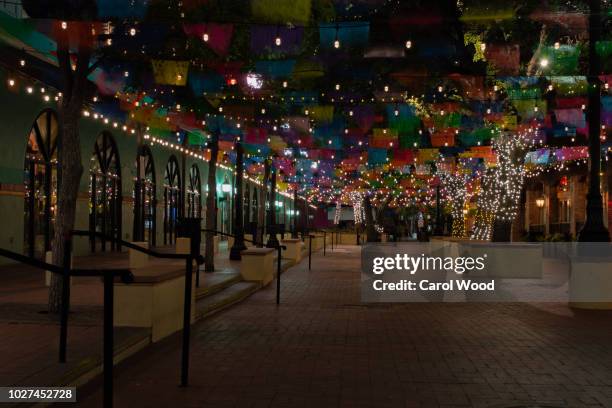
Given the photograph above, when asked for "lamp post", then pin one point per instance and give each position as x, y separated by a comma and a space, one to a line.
226, 188
239, 245
438, 229
540, 204
294, 233
594, 229
272, 240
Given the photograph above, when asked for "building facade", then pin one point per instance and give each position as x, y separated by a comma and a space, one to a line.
130, 187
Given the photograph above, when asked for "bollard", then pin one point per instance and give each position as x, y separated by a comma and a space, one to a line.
324, 242
186, 322
108, 340
309, 251
65, 300
278, 273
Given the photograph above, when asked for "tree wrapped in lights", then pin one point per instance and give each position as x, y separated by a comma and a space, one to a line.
338, 212
456, 195
358, 211
500, 189
485, 207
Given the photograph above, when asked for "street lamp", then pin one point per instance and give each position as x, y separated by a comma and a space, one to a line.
226, 187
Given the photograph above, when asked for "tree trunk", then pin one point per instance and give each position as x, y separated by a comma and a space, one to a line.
502, 231
261, 211
533, 67
371, 234
458, 228
71, 170
211, 207
69, 153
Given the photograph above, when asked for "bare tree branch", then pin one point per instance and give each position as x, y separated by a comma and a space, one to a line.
533, 67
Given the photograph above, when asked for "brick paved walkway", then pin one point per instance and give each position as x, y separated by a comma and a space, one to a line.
322, 348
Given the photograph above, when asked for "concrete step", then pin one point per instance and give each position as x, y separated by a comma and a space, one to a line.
84, 364
211, 283
232, 294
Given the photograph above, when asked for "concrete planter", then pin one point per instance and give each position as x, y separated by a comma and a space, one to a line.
257, 264
154, 300
590, 284
294, 249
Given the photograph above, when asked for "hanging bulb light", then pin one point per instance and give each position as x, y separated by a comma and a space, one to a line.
205, 36
278, 41
408, 44
337, 87
336, 40
284, 84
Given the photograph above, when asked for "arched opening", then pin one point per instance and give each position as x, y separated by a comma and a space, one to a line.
144, 197
41, 183
194, 193
105, 191
172, 196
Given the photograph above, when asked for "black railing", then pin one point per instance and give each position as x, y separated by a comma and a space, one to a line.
189, 259
279, 248
67, 272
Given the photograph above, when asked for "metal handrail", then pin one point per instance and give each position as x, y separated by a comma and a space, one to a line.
67, 272
189, 258
131, 245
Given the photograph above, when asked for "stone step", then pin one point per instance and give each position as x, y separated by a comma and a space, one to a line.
84, 364
211, 283
212, 303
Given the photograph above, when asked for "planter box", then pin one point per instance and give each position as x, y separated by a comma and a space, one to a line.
590, 285
155, 299
257, 264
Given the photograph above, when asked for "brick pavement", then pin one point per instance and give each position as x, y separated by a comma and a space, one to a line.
322, 348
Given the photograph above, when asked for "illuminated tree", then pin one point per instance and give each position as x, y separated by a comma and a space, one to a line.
498, 200
456, 195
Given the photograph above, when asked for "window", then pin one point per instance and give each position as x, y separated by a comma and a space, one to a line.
172, 199
194, 193
41, 180
144, 197
105, 191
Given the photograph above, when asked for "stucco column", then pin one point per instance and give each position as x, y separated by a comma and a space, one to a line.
572, 203
272, 240
546, 208
239, 245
